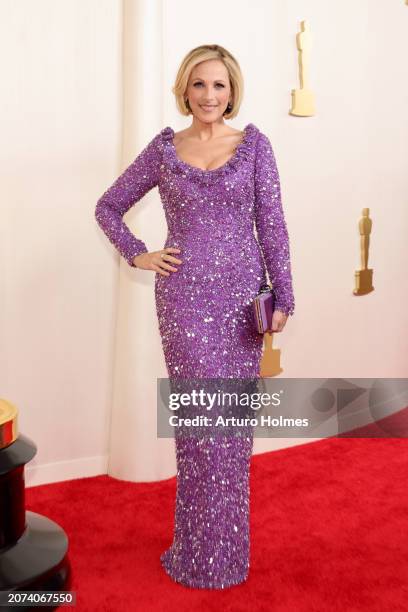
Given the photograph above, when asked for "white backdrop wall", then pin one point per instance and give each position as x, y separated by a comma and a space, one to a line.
86, 84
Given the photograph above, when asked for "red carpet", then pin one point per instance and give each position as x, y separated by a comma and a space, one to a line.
329, 532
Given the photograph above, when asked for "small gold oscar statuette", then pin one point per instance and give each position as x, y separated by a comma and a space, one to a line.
303, 101
364, 277
270, 362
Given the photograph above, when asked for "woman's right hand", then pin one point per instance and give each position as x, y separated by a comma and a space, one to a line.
157, 261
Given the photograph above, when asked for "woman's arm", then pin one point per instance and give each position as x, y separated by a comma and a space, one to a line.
271, 225
141, 176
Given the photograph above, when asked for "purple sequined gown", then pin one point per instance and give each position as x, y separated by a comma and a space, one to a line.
206, 326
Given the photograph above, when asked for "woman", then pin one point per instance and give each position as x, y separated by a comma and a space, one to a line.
215, 183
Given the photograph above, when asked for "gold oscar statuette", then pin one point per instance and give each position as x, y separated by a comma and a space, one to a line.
303, 101
364, 277
270, 362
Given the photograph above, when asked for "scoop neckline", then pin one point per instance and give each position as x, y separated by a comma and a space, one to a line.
198, 170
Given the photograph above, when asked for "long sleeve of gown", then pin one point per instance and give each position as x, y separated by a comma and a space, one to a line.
141, 176
271, 225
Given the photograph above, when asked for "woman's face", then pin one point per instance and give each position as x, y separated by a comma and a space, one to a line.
208, 90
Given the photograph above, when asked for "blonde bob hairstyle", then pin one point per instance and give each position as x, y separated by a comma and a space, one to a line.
202, 54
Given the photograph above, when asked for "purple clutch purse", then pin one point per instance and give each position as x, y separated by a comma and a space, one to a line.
263, 306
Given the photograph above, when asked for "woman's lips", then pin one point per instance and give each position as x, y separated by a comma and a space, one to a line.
206, 107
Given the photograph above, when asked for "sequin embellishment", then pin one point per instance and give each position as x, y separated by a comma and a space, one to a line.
205, 323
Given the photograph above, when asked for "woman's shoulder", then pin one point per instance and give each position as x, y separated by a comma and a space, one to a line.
261, 136
263, 143
167, 133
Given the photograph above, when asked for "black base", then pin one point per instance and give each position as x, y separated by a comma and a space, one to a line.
38, 561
